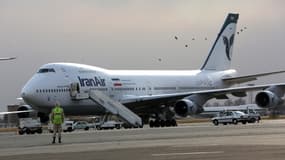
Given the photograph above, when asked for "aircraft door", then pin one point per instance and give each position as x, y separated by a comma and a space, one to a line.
74, 89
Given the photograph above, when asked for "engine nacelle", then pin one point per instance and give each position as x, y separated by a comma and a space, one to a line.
186, 107
24, 108
267, 99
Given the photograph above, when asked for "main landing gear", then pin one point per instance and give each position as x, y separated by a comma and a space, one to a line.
162, 123
164, 117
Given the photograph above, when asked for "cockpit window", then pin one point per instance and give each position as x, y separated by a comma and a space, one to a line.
45, 70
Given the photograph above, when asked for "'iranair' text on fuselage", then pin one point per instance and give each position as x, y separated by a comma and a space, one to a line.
91, 82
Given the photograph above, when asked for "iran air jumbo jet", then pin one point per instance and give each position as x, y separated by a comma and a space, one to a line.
155, 94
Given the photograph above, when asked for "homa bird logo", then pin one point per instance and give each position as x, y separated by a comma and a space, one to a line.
228, 45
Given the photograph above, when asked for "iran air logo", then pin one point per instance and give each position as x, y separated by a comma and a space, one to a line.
228, 45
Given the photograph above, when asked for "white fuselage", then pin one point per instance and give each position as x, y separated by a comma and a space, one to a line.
52, 83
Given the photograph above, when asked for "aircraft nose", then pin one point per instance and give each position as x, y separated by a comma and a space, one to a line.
27, 92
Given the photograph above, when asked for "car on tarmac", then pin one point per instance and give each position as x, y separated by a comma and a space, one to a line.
230, 117
109, 125
67, 126
82, 125
253, 116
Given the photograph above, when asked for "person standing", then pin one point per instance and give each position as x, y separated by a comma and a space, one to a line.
57, 118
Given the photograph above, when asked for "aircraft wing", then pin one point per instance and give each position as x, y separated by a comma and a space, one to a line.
163, 98
16, 112
247, 78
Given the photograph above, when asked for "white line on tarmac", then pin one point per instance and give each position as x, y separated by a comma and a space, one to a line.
187, 153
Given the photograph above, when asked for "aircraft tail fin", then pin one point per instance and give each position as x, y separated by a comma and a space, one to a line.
220, 55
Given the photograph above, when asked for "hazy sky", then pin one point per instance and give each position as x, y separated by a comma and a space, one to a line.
133, 34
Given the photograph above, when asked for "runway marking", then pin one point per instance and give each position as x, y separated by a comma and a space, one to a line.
187, 153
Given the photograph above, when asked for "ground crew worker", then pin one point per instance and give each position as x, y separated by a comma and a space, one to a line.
57, 118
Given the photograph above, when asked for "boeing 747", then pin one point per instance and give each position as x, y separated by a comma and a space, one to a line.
137, 95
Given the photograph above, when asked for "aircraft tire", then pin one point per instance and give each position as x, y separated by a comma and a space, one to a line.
151, 124
173, 123
156, 123
168, 123
162, 123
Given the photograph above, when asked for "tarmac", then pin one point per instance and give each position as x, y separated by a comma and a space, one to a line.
264, 140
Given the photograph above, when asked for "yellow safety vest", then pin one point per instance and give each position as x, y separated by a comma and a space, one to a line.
57, 115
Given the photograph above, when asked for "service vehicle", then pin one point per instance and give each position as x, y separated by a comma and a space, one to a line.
29, 126
109, 125
67, 126
253, 116
230, 117
82, 125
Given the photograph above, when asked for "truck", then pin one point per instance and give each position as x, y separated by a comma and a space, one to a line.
29, 126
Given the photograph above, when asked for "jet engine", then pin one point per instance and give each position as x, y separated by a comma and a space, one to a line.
267, 99
186, 107
24, 108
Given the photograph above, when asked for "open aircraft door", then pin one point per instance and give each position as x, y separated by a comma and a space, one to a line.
74, 89
76, 93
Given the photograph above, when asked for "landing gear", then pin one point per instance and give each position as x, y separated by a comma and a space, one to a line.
163, 117
162, 123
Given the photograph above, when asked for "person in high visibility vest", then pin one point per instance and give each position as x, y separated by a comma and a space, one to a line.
57, 119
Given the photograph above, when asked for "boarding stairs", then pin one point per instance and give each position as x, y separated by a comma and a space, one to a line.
110, 105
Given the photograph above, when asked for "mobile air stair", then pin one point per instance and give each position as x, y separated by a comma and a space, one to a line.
108, 103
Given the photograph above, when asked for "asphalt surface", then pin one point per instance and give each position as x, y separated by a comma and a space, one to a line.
265, 140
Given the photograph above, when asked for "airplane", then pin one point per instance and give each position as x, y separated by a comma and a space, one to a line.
7, 58
157, 96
